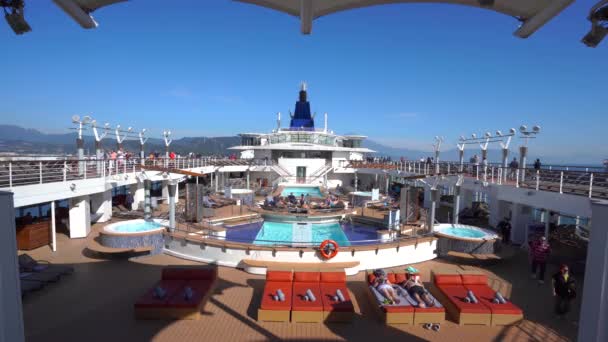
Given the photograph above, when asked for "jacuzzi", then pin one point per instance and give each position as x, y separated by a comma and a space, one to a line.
464, 238
135, 234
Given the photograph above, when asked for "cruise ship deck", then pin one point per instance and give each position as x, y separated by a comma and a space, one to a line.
100, 295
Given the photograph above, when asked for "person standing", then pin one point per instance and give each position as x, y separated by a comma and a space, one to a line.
564, 290
537, 165
514, 165
539, 252
505, 230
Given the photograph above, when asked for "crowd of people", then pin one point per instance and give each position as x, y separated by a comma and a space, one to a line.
305, 201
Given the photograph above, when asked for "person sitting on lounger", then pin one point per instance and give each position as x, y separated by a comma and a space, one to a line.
207, 202
291, 198
415, 288
384, 286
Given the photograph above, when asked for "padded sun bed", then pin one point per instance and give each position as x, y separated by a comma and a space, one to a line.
30, 285
275, 310
402, 313
336, 311
40, 276
29, 264
306, 310
502, 314
433, 314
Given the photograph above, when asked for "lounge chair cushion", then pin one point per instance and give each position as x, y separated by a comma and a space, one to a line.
448, 279
485, 295
149, 300
279, 276
307, 277
199, 290
270, 290
40, 276
456, 295
474, 279
299, 290
328, 292
189, 273
333, 277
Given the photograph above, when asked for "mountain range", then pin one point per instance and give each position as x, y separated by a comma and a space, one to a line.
16, 139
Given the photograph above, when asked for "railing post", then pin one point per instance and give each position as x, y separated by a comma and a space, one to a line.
10, 175
492, 174
40, 169
517, 178
124, 168
537, 179
85, 169
561, 182
65, 170
590, 185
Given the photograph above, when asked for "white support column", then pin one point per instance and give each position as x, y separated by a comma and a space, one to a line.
138, 192
53, 228
80, 217
165, 190
594, 306
172, 196
456, 208
101, 205
248, 178
217, 175
11, 315
434, 200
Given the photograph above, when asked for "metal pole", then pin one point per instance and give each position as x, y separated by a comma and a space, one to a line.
356, 182
172, 191
80, 147
434, 197
40, 169
561, 182
505, 160
10, 175
53, 227
456, 203
147, 199
590, 185
523, 150
537, 179
547, 219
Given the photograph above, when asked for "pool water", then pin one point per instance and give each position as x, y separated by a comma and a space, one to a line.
463, 232
312, 191
270, 233
137, 227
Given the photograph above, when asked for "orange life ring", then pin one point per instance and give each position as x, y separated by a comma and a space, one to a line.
329, 249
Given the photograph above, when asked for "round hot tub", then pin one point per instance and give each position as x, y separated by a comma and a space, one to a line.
464, 238
135, 234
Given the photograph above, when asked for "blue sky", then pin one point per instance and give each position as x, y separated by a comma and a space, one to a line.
400, 74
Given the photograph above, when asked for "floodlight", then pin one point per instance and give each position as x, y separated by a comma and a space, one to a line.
499, 133
523, 128
86, 119
15, 18
512, 131
75, 118
129, 129
117, 126
436, 137
143, 130
536, 128
107, 125
94, 123
474, 136
462, 138
599, 24
488, 134
169, 132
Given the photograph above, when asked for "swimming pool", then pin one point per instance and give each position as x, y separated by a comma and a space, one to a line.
134, 226
465, 231
271, 233
312, 191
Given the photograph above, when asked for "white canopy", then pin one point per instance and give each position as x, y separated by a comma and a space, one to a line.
532, 13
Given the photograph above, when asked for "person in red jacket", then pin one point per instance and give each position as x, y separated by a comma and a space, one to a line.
539, 252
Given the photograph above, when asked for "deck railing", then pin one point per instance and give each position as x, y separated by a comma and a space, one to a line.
586, 181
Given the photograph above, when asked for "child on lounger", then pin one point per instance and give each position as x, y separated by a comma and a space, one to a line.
416, 290
384, 286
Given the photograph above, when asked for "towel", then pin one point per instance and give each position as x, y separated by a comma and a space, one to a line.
340, 295
310, 295
188, 293
159, 292
275, 297
472, 297
466, 299
411, 269
281, 295
500, 298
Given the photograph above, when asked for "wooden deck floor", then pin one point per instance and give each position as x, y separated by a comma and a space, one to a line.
95, 304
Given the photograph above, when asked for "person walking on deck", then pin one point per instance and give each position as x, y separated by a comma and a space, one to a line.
513, 166
539, 252
564, 290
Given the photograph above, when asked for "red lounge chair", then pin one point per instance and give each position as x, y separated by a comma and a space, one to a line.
306, 310
336, 311
391, 314
452, 293
424, 315
174, 304
275, 310
502, 314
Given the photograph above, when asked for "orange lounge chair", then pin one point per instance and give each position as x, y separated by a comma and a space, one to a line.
502, 314
174, 304
435, 314
452, 293
336, 311
276, 310
306, 310
391, 314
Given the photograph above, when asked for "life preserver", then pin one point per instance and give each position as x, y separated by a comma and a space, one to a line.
329, 249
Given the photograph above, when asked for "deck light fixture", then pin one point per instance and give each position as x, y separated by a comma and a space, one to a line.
13, 13
526, 134
598, 16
